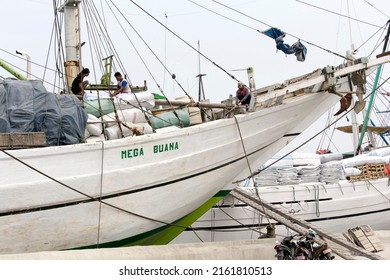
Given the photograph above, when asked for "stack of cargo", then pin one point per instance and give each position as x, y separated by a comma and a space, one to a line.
332, 172
309, 174
268, 177
277, 176
132, 122
288, 176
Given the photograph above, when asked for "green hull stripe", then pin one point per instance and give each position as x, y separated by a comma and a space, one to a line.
164, 234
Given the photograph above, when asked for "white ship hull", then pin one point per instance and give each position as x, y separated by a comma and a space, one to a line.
159, 177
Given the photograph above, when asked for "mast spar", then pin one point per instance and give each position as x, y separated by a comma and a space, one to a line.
71, 11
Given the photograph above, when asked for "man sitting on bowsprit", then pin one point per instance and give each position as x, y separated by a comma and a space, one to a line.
243, 95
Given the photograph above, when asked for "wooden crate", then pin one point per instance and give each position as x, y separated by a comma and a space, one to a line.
366, 177
22, 140
372, 168
369, 172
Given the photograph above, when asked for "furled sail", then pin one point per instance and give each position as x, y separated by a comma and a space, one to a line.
377, 130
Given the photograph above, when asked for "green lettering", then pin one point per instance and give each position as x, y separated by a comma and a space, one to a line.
159, 148
132, 153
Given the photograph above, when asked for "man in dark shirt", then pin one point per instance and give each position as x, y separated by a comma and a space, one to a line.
78, 85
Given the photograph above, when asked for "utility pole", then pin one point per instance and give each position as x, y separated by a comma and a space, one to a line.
201, 95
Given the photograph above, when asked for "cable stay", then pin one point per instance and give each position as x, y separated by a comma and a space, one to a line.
376, 9
184, 41
150, 49
266, 24
332, 12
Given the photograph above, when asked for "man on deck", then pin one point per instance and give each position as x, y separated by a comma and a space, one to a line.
123, 85
78, 85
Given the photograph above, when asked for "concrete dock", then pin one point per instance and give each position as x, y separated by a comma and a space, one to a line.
231, 250
259, 249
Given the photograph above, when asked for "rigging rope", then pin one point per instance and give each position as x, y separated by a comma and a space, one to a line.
214, 12
92, 31
165, 50
151, 50
92, 39
59, 51
376, 9
369, 182
109, 47
255, 229
131, 42
99, 200
332, 12
249, 166
377, 44
299, 39
101, 194
32, 75
155, 55
184, 41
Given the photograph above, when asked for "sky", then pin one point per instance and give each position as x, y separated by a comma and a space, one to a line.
230, 45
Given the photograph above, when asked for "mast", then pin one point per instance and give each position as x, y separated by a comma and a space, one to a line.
374, 88
355, 126
71, 11
251, 85
201, 95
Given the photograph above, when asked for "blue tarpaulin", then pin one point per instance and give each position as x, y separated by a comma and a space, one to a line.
297, 48
26, 106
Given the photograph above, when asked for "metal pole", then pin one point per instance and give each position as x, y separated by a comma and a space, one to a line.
11, 70
28, 58
374, 88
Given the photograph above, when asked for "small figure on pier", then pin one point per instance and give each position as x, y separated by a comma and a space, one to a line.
243, 95
78, 85
123, 85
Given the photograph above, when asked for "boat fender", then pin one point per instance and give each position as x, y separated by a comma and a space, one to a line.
387, 169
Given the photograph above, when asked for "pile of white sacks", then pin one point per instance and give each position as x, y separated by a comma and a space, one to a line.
310, 168
290, 170
132, 121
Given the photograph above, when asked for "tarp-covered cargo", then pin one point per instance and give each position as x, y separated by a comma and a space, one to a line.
26, 106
